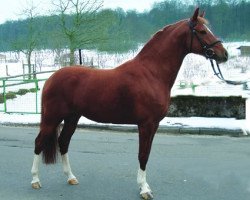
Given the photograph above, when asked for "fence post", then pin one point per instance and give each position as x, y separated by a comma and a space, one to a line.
4, 96
36, 86
246, 95
248, 113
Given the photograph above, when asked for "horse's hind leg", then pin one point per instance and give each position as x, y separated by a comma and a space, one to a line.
45, 141
68, 130
36, 184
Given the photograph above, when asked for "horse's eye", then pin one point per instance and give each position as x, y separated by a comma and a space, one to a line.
203, 32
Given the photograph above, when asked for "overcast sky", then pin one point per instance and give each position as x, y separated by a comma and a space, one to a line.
11, 9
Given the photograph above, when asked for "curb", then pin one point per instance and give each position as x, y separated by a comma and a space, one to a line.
174, 130
178, 130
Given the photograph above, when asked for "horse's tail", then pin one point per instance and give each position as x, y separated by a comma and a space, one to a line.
50, 147
47, 140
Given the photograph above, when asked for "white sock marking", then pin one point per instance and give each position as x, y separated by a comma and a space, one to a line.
66, 167
35, 169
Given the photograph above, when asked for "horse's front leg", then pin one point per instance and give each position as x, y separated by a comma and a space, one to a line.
146, 136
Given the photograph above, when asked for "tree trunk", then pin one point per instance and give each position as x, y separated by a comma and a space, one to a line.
71, 57
29, 64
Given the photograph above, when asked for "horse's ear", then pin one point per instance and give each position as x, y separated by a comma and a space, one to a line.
202, 14
195, 15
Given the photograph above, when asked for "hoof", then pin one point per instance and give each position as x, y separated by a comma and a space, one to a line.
147, 196
36, 185
73, 181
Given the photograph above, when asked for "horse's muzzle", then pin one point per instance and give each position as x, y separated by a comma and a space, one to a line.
222, 57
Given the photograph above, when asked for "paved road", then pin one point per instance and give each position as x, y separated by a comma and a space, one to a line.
180, 168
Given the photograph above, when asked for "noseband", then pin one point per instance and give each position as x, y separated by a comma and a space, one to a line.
209, 53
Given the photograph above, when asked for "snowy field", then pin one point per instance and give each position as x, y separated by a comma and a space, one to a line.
195, 70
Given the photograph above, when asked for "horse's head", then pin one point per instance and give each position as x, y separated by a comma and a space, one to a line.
203, 41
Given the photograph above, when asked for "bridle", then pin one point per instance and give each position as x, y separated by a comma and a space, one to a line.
209, 53
207, 48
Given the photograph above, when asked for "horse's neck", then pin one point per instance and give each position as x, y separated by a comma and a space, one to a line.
164, 55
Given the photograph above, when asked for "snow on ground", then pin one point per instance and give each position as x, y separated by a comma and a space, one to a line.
184, 122
195, 70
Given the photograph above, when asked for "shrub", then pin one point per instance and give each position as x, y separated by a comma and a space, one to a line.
1, 98
10, 95
33, 90
22, 91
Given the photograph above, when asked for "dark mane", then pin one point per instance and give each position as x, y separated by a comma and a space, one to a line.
155, 37
202, 20
159, 33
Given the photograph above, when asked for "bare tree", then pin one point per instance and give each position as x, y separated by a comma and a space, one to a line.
28, 42
78, 22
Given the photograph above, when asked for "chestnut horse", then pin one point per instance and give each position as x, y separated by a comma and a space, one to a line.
136, 92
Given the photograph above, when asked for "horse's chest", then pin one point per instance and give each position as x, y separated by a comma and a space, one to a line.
160, 108
154, 107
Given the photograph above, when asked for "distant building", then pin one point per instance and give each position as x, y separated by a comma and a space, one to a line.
244, 50
2, 58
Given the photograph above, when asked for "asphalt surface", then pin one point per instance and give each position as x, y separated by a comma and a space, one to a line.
181, 167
